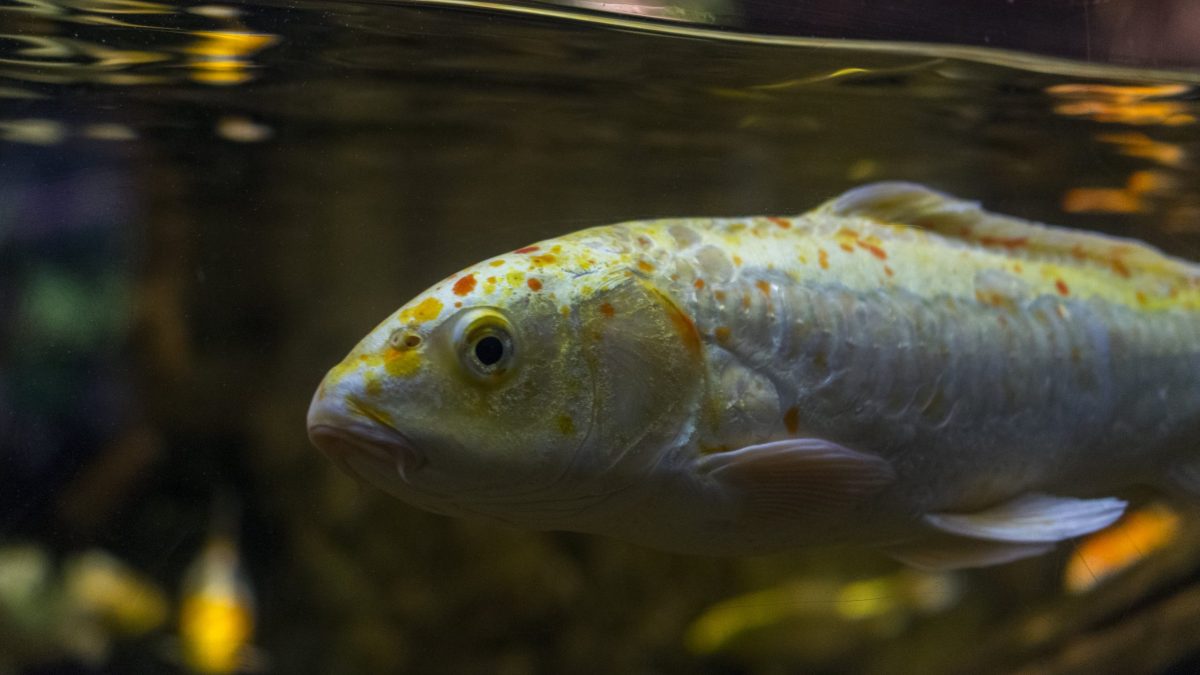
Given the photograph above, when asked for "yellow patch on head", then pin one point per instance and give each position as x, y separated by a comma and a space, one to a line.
401, 362
426, 310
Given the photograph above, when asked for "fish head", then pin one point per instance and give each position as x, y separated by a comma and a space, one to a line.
525, 402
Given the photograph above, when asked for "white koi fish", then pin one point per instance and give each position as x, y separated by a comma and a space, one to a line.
897, 368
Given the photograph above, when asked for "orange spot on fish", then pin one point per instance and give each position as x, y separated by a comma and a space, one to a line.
846, 247
993, 299
888, 271
1141, 298
1004, 242
1017, 268
719, 295
496, 263
1120, 268
645, 266
791, 420
823, 258
544, 259
737, 260
722, 333
683, 324
874, 250
607, 310
763, 287
1061, 286
458, 304
527, 249
464, 285
699, 284
781, 222
534, 284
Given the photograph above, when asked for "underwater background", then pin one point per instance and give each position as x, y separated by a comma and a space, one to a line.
203, 206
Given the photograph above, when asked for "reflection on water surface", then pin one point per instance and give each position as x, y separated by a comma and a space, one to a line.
203, 206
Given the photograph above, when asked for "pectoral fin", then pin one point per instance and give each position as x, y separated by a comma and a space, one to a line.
1032, 518
796, 478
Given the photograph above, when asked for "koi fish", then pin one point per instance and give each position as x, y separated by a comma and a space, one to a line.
897, 368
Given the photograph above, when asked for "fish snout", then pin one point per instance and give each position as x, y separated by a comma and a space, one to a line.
343, 433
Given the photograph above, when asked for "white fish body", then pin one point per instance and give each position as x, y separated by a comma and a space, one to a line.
896, 368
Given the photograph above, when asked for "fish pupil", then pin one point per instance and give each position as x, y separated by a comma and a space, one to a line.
489, 350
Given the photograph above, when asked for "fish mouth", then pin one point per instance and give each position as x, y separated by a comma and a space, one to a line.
342, 439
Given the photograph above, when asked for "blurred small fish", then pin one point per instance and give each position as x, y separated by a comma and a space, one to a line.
102, 586
216, 613
825, 616
1134, 538
46, 619
897, 368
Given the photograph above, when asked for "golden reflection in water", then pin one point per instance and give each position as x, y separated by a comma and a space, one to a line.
223, 57
1133, 105
1128, 199
1124, 104
108, 42
1137, 144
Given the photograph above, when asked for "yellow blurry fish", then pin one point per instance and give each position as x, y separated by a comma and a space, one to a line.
897, 368
822, 615
103, 586
216, 613
1104, 554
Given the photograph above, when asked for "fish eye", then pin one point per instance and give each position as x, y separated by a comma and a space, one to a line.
489, 350
485, 344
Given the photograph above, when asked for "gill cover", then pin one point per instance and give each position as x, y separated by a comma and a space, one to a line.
646, 363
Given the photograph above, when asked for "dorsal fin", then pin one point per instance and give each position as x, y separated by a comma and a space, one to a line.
918, 206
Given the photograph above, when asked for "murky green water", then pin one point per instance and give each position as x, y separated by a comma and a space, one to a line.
203, 207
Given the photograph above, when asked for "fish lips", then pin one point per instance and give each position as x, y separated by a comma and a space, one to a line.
380, 444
